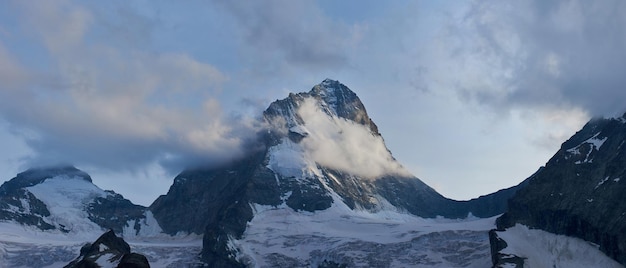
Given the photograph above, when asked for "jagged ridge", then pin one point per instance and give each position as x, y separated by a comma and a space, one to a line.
217, 201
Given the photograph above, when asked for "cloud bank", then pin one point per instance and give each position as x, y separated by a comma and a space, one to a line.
118, 84
538, 54
92, 101
344, 145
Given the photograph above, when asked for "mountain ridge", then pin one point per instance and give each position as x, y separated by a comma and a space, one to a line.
317, 147
64, 198
578, 192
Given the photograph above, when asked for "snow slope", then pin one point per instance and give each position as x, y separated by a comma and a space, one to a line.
384, 236
282, 237
66, 198
543, 249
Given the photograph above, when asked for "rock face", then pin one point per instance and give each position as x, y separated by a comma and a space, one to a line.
500, 259
580, 191
288, 171
64, 198
110, 251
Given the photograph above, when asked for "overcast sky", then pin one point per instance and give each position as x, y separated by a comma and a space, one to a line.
470, 96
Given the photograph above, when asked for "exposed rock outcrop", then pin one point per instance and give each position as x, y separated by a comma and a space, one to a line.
580, 191
110, 250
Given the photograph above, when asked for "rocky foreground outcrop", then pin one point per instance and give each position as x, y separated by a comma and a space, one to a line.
108, 251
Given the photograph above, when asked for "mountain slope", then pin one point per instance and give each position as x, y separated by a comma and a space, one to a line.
321, 151
65, 199
580, 191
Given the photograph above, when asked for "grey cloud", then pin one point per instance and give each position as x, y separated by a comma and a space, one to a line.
296, 32
538, 53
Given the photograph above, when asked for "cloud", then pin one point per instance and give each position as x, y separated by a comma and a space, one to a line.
294, 33
344, 145
534, 54
98, 104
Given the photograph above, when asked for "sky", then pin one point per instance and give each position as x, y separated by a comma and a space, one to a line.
470, 96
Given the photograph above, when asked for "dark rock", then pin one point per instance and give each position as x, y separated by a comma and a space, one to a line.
107, 245
332, 264
12, 209
580, 191
499, 259
133, 260
111, 247
114, 212
197, 196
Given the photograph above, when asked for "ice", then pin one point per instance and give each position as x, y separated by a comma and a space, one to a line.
299, 129
289, 159
104, 261
280, 236
543, 249
149, 227
602, 182
595, 144
66, 198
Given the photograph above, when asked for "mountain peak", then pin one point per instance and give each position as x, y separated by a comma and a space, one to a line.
34, 176
53, 171
333, 98
330, 88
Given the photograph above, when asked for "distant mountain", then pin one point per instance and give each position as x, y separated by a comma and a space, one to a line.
65, 199
579, 193
321, 153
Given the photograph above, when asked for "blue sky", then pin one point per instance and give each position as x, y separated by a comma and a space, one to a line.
471, 96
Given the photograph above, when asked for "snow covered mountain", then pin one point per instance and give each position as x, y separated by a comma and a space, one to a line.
323, 190
48, 214
579, 193
64, 199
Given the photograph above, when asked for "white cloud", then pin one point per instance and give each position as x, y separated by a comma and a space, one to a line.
346, 146
61, 24
96, 103
118, 84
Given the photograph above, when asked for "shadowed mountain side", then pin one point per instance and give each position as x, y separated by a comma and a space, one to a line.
580, 191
